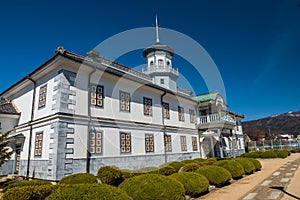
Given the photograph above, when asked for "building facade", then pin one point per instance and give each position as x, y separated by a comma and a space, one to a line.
76, 114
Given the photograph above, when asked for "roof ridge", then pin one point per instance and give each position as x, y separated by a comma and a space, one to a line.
63, 51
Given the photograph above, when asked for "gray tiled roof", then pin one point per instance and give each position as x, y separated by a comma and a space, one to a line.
7, 107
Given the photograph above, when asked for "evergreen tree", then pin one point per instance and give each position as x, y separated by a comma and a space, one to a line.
5, 152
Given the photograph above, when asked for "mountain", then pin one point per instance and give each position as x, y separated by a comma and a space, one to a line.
287, 123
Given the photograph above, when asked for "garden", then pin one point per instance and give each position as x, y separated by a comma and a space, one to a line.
175, 180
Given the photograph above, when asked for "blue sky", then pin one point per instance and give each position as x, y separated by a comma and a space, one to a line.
254, 43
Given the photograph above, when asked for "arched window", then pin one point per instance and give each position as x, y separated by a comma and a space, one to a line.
151, 64
168, 63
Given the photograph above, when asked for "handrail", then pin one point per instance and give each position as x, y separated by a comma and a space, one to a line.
214, 118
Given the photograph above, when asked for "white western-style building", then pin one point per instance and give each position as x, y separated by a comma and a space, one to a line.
76, 114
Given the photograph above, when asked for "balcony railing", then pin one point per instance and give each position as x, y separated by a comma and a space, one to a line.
159, 69
215, 119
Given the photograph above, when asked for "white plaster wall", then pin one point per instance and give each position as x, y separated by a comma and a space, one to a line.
7, 123
25, 147
174, 120
176, 146
46, 129
111, 109
240, 130
111, 142
81, 90
112, 86
23, 100
176, 143
47, 110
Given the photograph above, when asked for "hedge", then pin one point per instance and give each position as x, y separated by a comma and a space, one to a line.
27, 183
190, 167
78, 179
236, 169
110, 175
194, 183
89, 191
255, 154
281, 153
248, 166
268, 154
37, 192
216, 175
153, 186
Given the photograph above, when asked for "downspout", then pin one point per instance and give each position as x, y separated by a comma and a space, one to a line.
31, 120
199, 134
88, 154
163, 124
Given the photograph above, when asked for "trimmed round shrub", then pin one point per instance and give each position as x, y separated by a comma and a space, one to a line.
184, 162
216, 175
197, 160
251, 155
29, 192
212, 159
27, 183
153, 186
137, 172
248, 166
89, 191
236, 170
268, 154
126, 173
110, 175
194, 183
167, 170
148, 169
176, 165
191, 167
78, 179
256, 164
209, 161
281, 153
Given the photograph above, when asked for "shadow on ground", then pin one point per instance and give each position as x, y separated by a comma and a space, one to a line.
285, 192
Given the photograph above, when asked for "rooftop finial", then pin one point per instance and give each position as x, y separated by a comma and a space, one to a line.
157, 36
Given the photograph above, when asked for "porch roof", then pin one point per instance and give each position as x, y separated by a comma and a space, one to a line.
206, 97
7, 107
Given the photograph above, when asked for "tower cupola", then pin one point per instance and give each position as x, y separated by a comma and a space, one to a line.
159, 64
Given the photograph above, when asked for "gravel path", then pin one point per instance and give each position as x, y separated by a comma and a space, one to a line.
241, 188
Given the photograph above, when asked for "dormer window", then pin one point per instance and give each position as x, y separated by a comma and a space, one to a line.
160, 63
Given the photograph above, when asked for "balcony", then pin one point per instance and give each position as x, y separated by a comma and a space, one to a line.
216, 120
160, 69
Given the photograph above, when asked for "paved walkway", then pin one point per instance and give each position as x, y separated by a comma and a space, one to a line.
274, 187
293, 187
240, 189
